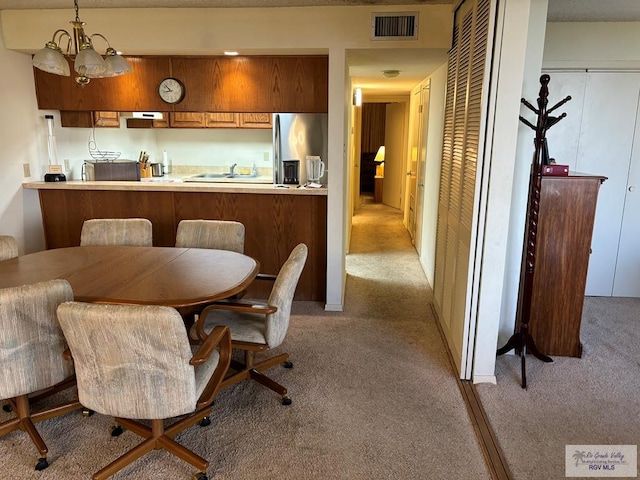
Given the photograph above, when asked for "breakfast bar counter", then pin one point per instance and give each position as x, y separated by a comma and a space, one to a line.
276, 218
178, 186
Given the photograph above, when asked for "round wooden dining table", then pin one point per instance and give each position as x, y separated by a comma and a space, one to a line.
183, 278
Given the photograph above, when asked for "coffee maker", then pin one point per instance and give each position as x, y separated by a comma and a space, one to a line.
291, 171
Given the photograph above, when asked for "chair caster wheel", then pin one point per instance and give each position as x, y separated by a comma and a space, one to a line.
6, 407
200, 476
287, 365
286, 400
205, 422
86, 412
116, 430
42, 464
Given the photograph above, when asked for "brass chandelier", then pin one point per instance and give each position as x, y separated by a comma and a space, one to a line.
87, 62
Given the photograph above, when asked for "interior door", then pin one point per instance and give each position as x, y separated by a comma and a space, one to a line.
393, 155
626, 282
422, 160
412, 166
605, 146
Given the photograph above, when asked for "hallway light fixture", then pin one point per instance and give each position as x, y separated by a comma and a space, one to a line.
87, 62
390, 73
357, 97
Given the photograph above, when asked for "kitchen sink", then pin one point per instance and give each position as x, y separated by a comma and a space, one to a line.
228, 177
225, 175
213, 175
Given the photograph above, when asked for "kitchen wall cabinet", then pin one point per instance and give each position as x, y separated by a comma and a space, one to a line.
222, 120
187, 120
134, 92
238, 120
269, 84
90, 119
255, 120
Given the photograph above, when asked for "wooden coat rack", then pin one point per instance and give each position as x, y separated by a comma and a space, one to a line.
522, 340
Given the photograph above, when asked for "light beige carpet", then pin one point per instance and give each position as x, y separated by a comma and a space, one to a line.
593, 400
374, 395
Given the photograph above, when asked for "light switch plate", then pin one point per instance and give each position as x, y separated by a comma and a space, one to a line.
27, 169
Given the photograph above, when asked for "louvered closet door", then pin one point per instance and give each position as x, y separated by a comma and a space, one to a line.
462, 132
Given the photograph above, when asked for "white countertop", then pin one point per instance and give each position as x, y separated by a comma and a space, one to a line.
176, 184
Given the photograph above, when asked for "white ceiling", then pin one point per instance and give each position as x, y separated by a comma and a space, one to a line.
366, 66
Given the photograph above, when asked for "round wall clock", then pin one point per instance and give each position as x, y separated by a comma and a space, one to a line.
171, 90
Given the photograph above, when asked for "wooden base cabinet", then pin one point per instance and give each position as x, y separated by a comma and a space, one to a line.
565, 227
274, 224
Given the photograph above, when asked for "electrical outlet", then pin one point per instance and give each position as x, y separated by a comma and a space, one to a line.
267, 156
67, 167
27, 169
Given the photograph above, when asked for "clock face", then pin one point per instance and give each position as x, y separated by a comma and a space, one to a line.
171, 90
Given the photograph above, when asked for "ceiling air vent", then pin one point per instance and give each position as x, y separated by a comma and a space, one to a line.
394, 26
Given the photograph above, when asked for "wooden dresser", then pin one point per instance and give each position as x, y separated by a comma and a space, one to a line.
565, 228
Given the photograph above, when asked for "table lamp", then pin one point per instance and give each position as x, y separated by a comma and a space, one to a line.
379, 159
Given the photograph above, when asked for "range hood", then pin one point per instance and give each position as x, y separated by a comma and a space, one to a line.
147, 115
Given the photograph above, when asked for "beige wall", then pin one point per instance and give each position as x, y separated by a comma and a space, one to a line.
612, 45
331, 30
19, 129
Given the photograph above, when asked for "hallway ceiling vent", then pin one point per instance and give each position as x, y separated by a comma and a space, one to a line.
394, 26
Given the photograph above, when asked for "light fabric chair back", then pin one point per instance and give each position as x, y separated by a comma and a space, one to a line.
215, 234
117, 231
131, 361
8, 247
31, 341
282, 295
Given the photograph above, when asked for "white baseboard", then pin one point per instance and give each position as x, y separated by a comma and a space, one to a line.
485, 379
333, 307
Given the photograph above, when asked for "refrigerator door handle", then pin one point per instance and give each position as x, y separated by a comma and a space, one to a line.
276, 152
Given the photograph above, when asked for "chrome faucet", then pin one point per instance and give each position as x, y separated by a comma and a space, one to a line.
233, 167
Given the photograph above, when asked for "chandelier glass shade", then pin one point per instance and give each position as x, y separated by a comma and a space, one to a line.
87, 62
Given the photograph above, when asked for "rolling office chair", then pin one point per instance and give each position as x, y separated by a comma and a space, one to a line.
215, 234
135, 362
117, 231
257, 328
31, 348
8, 247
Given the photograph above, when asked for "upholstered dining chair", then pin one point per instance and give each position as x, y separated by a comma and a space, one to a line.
136, 362
218, 234
8, 247
117, 231
256, 327
31, 356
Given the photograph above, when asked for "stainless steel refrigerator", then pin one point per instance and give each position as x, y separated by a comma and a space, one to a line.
296, 135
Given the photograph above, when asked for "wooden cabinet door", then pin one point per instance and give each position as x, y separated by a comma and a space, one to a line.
106, 119
255, 120
186, 120
222, 120
134, 92
89, 119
